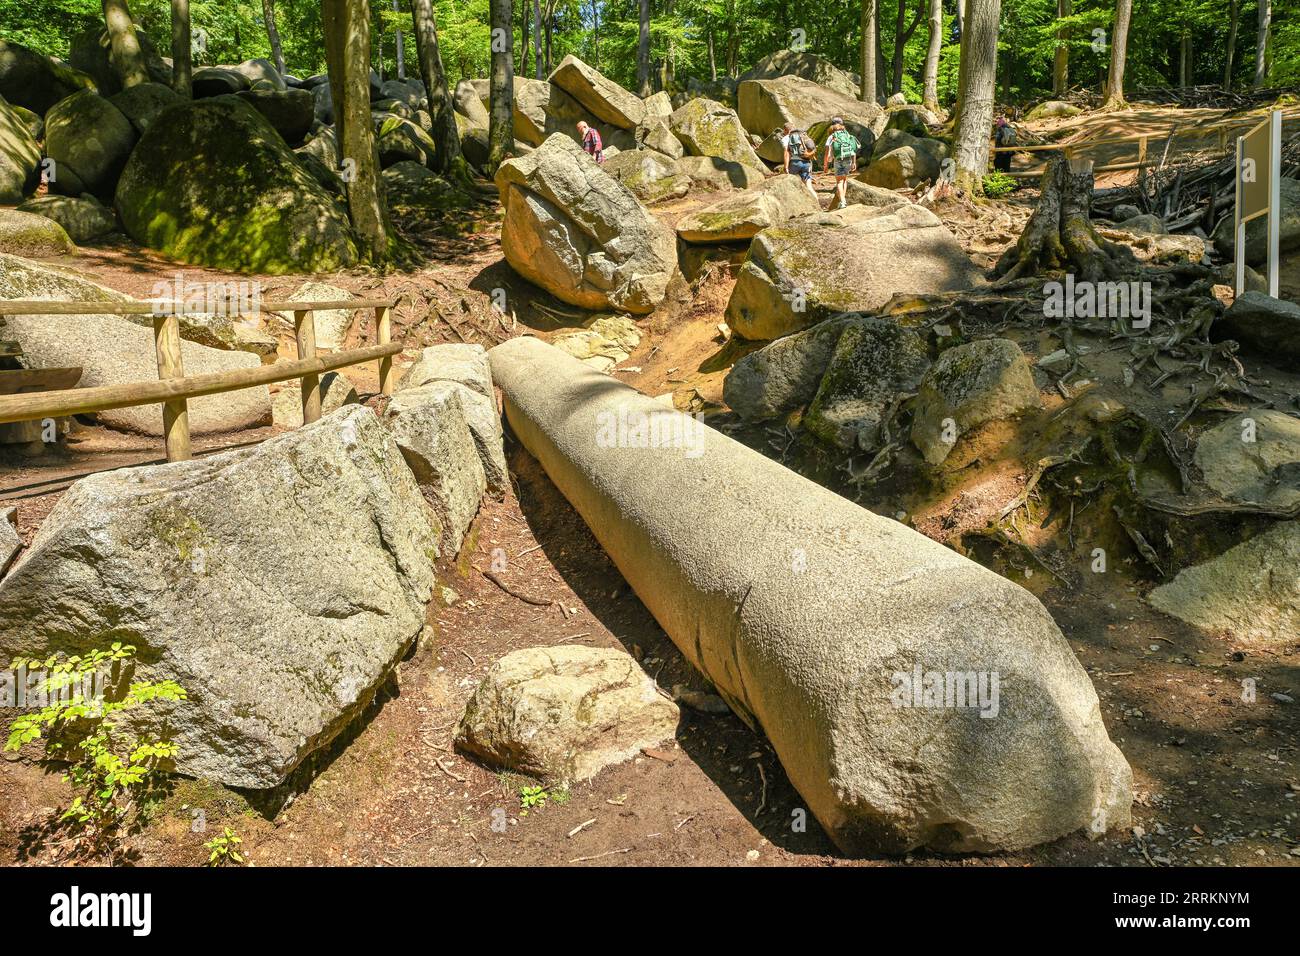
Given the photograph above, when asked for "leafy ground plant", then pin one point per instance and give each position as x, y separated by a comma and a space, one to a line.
223, 849
111, 772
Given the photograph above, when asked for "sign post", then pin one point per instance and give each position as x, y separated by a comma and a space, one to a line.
1259, 193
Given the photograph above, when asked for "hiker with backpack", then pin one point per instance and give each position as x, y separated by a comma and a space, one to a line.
589, 136
798, 154
841, 148
1004, 134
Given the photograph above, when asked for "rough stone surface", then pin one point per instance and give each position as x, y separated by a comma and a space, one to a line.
782, 375
290, 111
82, 218
766, 105
743, 215
200, 565
577, 232
656, 133
814, 659
652, 176
853, 260
32, 235
34, 81
464, 369
332, 325
20, 157
707, 128
335, 391
89, 140
709, 172
10, 543
216, 185
807, 65
969, 385
1250, 592
1272, 326
469, 105
430, 428
1253, 457
598, 94
875, 362
865, 194
144, 103
110, 350
1053, 109
602, 343
564, 713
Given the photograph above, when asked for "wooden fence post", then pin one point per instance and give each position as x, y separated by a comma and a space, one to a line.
176, 415
1142, 150
384, 330
304, 327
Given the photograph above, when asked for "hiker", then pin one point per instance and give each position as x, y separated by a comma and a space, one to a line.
1003, 135
842, 147
798, 152
590, 139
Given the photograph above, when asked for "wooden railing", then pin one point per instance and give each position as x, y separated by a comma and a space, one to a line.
174, 387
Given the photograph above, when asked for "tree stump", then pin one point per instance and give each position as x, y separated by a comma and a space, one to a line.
1060, 237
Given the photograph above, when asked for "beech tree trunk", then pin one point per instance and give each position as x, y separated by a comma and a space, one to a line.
643, 50
930, 79
501, 137
1261, 42
1118, 53
272, 34
1061, 60
1060, 237
124, 56
445, 135
182, 61
347, 50
537, 41
867, 90
902, 33
980, 63
1234, 20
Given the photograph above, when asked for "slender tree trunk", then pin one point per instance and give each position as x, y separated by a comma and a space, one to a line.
548, 29
1261, 42
902, 34
963, 61
713, 63
124, 56
400, 47
1185, 58
445, 134
347, 49
182, 64
867, 90
1118, 53
981, 49
1061, 60
595, 33
272, 34
930, 97
1230, 54
501, 137
643, 50
537, 41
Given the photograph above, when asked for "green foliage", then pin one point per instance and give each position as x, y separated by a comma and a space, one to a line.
222, 849
532, 798
998, 184
112, 773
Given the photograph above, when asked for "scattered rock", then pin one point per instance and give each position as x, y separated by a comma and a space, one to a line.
564, 713
710, 172
783, 375
211, 81
1253, 457
807, 65
1243, 591
335, 391
34, 81
468, 104
1144, 224
767, 105
83, 218
865, 194
743, 215
574, 230
20, 157
707, 128
89, 140
969, 385
291, 112
332, 325
10, 543
598, 94
144, 103
279, 584
1053, 109
652, 176
31, 235
875, 362
602, 343
1269, 325
216, 185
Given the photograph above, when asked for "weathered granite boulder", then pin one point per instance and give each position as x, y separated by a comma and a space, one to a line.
144, 103
290, 112
278, 584
807, 65
741, 216
853, 260
32, 235
707, 128
1225, 236
335, 392
34, 81
82, 218
89, 140
467, 104
573, 229
652, 176
783, 375
1253, 458
710, 172
767, 105
599, 95
20, 157
1269, 325
562, 714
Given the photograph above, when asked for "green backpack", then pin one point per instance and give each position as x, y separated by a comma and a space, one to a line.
844, 144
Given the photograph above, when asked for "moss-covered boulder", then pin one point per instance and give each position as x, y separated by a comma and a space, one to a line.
34, 81
214, 184
290, 111
89, 140
144, 102
83, 219
90, 53
875, 362
1053, 109
20, 157
710, 172
852, 260
35, 237
652, 176
741, 216
707, 128
969, 385
400, 140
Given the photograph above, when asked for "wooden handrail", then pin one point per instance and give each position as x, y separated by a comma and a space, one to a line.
174, 387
